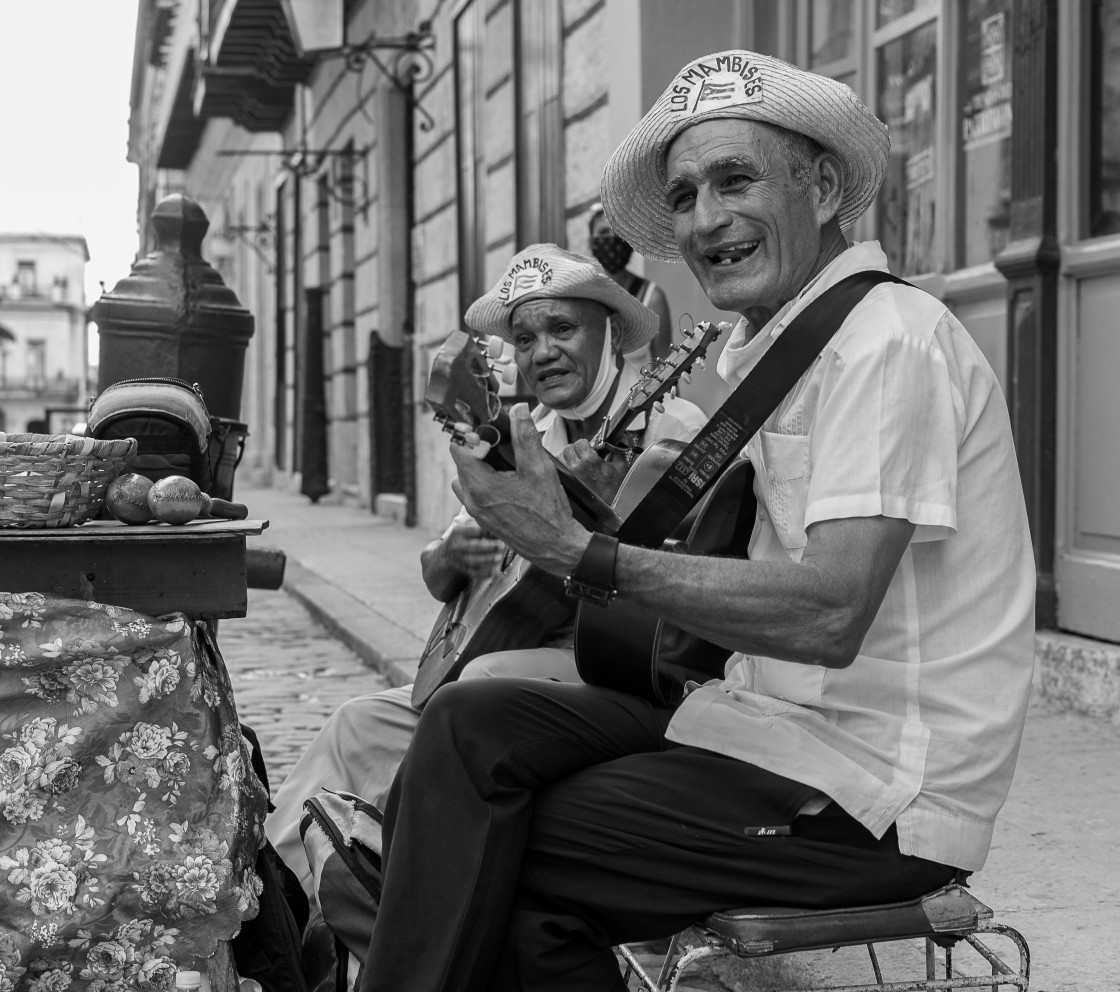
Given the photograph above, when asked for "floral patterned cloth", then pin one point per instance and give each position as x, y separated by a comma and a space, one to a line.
130, 817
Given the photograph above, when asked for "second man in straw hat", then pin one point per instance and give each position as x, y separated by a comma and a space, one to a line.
569, 324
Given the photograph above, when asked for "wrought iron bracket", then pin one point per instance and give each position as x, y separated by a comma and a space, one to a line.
304, 162
410, 65
261, 238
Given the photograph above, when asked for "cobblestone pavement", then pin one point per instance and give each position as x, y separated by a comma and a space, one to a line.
288, 675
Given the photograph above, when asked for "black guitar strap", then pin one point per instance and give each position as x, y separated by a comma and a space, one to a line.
744, 412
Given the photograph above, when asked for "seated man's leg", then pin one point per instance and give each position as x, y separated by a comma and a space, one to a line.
459, 811
534, 663
641, 846
358, 750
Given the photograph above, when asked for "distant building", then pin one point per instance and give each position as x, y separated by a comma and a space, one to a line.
44, 351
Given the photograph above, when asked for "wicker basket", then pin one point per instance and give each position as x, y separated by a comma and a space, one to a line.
56, 480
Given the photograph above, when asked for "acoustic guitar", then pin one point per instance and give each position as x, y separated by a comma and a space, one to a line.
521, 605
628, 649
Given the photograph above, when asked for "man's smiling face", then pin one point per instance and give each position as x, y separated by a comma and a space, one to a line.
746, 225
558, 344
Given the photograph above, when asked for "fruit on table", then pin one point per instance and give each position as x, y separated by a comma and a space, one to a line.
178, 500
126, 498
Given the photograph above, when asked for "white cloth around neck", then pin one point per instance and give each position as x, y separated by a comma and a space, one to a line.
604, 379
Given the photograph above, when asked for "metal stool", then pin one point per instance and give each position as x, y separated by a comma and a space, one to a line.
943, 917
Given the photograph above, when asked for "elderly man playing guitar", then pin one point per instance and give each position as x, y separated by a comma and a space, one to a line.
569, 324
863, 738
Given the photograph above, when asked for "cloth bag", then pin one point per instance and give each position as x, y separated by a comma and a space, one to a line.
168, 418
341, 834
130, 816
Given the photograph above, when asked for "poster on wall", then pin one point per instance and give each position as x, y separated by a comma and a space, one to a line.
907, 102
983, 218
986, 68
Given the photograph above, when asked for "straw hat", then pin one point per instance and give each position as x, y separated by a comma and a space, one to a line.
744, 86
545, 272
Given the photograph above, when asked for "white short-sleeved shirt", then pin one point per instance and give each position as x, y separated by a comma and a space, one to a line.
900, 416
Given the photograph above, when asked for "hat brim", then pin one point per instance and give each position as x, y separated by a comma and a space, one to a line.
636, 325
821, 108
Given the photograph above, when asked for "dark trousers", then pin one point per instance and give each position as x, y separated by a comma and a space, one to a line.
535, 824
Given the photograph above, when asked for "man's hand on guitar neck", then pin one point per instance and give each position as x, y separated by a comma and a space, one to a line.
527, 508
603, 475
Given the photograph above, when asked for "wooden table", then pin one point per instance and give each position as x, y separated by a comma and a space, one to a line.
196, 568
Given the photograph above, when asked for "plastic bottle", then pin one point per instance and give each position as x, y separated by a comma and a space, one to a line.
192, 981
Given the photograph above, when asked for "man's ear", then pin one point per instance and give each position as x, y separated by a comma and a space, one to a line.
828, 184
615, 335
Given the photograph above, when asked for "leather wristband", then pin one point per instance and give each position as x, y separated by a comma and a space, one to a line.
592, 580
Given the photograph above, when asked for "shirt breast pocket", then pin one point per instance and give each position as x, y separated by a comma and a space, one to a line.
789, 681
785, 475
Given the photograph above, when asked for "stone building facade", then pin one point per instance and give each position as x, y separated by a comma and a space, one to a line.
368, 165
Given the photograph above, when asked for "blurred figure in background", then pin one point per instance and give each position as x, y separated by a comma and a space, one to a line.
613, 254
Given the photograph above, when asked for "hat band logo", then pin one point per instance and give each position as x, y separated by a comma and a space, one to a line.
729, 81
525, 277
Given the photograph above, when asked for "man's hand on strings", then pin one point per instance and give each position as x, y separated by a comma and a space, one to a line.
468, 549
527, 509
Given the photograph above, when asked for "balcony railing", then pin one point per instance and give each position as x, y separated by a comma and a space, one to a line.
61, 388
39, 294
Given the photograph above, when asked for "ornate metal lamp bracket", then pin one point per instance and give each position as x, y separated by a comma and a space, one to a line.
303, 163
410, 64
260, 237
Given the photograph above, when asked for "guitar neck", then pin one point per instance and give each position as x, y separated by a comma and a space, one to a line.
615, 425
656, 382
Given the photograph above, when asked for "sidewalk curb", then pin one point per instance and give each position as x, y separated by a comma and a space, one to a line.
376, 639
381, 623
1080, 674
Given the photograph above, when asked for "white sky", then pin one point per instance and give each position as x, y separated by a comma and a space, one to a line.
65, 77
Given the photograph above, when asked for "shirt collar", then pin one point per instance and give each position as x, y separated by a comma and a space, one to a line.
744, 349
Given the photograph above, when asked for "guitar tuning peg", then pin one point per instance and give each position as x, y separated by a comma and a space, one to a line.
700, 365
673, 392
471, 439
462, 427
659, 406
481, 450
686, 377
509, 374
495, 346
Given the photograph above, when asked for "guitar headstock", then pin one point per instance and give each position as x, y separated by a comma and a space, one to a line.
461, 384
663, 376
463, 391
